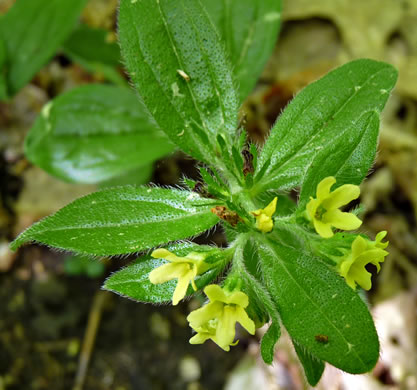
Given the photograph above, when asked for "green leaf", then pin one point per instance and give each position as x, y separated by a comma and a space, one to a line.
268, 342
122, 220
322, 113
178, 66
33, 31
3, 82
316, 304
249, 29
313, 367
133, 281
246, 261
94, 133
347, 158
91, 48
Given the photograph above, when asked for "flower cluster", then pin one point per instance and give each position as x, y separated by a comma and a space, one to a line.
185, 269
264, 221
352, 265
323, 211
216, 320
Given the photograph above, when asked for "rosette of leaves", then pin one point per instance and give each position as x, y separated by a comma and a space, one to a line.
183, 74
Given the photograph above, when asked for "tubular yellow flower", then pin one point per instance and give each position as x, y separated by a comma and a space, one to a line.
217, 320
324, 210
263, 217
185, 269
363, 252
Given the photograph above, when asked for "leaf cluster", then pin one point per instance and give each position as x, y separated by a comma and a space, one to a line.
191, 78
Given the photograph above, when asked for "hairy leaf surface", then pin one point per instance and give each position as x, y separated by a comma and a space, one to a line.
320, 311
249, 29
177, 63
323, 113
122, 220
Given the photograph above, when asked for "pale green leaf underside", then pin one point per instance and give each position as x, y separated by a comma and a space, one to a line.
312, 300
33, 30
249, 29
122, 220
321, 113
133, 281
159, 38
94, 133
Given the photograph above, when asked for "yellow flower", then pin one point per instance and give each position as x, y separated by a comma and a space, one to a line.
217, 320
185, 269
363, 252
264, 221
324, 211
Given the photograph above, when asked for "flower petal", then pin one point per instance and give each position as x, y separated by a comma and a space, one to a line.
215, 293
341, 196
238, 298
359, 245
166, 272
270, 209
200, 338
324, 229
323, 188
162, 253
182, 286
342, 220
312, 207
361, 276
244, 320
378, 240
199, 317
226, 328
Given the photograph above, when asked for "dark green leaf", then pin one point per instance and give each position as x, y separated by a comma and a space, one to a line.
33, 31
313, 367
268, 342
319, 310
348, 158
93, 133
177, 63
322, 113
92, 49
122, 220
133, 280
249, 29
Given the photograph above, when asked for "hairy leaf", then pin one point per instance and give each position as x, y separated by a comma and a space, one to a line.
33, 30
133, 281
249, 29
313, 367
320, 311
321, 114
178, 66
268, 342
348, 158
122, 220
93, 133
